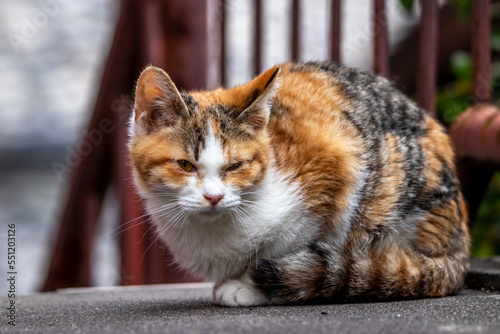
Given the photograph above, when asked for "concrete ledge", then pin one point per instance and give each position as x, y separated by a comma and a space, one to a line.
484, 274
188, 308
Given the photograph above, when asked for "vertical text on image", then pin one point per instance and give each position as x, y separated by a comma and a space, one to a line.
11, 274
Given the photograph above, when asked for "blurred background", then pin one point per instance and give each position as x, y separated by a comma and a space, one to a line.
52, 58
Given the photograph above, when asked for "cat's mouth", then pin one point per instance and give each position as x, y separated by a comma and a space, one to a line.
213, 211
209, 214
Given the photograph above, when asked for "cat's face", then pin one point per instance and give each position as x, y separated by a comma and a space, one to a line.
201, 152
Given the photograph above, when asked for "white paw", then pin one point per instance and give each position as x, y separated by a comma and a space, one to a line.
238, 293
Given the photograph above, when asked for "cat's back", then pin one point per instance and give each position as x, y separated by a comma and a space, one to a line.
354, 141
357, 114
325, 91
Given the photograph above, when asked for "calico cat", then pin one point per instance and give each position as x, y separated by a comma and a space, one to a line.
312, 182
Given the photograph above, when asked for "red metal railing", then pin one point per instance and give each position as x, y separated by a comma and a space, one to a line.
476, 132
257, 45
427, 67
174, 35
335, 30
381, 50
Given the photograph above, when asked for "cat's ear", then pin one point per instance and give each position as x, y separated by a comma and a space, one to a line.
158, 103
261, 92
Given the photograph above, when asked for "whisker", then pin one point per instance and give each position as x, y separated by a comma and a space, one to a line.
170, 223
112, 233
160, 216
250, 236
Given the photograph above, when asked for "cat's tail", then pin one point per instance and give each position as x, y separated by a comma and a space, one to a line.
320, 273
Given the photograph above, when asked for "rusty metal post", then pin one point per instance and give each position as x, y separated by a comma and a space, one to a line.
481, 50
223, 10
257, 38
381, 48
133, 220
89, 180
476, 133
335, 30
427, 66
138, 254
295, 30
153, 43
185, 33
135, 226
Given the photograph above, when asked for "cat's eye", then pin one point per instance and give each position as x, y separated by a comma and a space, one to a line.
234, 166
186, 165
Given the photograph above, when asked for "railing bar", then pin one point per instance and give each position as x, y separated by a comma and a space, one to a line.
427, 67
152, 35
295, 30
481, 50
335, 30
223, 9
381, 49
257, 37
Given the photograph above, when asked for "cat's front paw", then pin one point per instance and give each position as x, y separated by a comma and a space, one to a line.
239, 292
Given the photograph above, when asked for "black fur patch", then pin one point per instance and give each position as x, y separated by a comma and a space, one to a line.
195, 129
229, 126
446, 191
268, 279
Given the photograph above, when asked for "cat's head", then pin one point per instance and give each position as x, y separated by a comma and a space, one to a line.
200, 151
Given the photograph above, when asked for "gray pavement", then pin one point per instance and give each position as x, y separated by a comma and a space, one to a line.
188, 308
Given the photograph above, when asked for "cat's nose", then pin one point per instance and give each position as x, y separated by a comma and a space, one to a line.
213, 199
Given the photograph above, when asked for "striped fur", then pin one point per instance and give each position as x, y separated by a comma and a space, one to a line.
312, 182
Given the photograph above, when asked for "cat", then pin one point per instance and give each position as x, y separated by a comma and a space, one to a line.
313, 182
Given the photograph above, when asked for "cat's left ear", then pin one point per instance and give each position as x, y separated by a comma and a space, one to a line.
261, 90
158, 103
